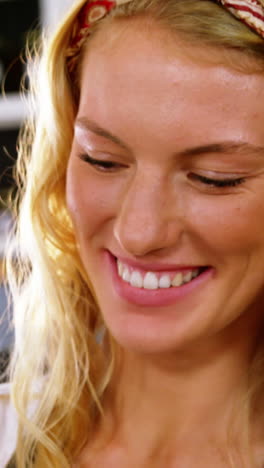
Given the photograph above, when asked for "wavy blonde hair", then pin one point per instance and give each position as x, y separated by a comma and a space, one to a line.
58, 361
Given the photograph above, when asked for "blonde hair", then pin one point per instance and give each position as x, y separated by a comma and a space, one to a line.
58, 361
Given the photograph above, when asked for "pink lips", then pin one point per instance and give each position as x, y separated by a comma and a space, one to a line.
152, 298
164, 267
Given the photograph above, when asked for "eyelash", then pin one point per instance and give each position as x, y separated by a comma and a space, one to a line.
218, 183
101, 165
214, 183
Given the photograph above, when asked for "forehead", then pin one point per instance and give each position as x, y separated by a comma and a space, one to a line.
155, 80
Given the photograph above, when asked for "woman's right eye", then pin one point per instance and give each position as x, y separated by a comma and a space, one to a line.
102, 165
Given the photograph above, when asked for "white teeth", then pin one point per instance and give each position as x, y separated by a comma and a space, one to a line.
126, 275
120, 268
187, 277
150, 281
136, 280
195, 273
177, 280
164, 281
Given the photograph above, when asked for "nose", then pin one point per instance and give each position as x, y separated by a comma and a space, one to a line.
148, 219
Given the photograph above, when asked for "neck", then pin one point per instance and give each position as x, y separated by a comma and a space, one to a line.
179, 400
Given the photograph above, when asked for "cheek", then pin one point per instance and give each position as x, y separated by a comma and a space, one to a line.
90, 201
231, 224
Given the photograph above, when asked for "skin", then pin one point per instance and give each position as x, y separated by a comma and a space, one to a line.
163, 102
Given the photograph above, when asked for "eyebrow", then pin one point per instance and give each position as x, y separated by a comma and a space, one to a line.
225, 147
87, 124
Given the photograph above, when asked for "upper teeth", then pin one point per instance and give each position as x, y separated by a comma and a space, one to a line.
151, 280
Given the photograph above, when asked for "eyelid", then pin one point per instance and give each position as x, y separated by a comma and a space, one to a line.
209, 182
103, 163
217, 182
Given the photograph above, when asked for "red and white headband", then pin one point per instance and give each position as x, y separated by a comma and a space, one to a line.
251, 12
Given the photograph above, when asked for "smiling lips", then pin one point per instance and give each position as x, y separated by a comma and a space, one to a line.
150, 280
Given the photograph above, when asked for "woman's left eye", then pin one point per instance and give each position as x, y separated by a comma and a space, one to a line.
217, 183
101, 165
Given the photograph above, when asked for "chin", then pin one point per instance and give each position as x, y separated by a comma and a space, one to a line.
146, 334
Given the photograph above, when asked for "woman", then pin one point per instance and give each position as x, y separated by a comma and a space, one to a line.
138, 303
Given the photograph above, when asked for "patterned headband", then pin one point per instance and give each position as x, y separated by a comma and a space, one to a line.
250, 12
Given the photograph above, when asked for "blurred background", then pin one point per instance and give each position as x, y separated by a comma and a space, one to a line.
21, 21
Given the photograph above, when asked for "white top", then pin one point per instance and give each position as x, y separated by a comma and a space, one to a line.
8, 425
